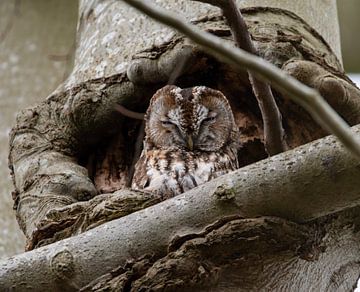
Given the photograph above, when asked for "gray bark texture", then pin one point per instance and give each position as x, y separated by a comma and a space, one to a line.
222, 234
33, 43
285, 223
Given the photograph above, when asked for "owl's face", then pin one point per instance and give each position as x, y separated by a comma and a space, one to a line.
197, 118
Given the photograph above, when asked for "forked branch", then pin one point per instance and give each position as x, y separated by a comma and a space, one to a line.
305, 96
274, 136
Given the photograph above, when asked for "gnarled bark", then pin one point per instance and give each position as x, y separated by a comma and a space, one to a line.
302, 185
51, 139
60, 147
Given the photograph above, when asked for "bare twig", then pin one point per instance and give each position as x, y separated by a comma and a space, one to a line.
274, 137
128, 113
305, 96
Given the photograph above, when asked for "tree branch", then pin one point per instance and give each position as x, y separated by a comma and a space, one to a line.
316, 179
274, 136
307, 97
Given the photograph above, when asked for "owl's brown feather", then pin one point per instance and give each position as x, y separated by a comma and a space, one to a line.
191, 138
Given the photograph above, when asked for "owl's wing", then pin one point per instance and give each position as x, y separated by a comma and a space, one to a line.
140, 179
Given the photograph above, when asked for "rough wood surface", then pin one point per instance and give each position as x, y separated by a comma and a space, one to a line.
61, 156
321, 15
66, 129
110, 32
299, 185
229, 254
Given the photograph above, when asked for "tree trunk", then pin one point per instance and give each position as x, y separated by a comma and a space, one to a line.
118, 38
34, 42
74, 145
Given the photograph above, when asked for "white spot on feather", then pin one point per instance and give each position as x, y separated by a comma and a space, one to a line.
176, 91
197, 92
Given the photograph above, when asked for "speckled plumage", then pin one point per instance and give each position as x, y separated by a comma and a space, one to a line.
191, 138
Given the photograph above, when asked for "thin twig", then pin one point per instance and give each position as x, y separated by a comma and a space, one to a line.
128, 113
274, 137
305, 96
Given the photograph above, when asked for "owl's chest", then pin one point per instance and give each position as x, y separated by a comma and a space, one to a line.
174, 172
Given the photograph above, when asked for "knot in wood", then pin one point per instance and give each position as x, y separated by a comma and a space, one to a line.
224, 192
62, 265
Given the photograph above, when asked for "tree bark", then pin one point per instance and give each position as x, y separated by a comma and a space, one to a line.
28, 53
120, 36
256, 253
321, 15
74, 145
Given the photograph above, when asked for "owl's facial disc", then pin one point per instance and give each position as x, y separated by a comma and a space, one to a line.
172, 123
196, 119
188, 121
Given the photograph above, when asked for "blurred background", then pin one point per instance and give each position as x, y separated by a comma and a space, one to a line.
37, 40
349, 11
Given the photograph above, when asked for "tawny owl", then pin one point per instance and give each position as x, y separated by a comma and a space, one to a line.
191, 138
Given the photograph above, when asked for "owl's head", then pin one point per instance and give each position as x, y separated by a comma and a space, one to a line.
196, 119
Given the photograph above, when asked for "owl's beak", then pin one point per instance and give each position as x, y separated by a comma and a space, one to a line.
190, 142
